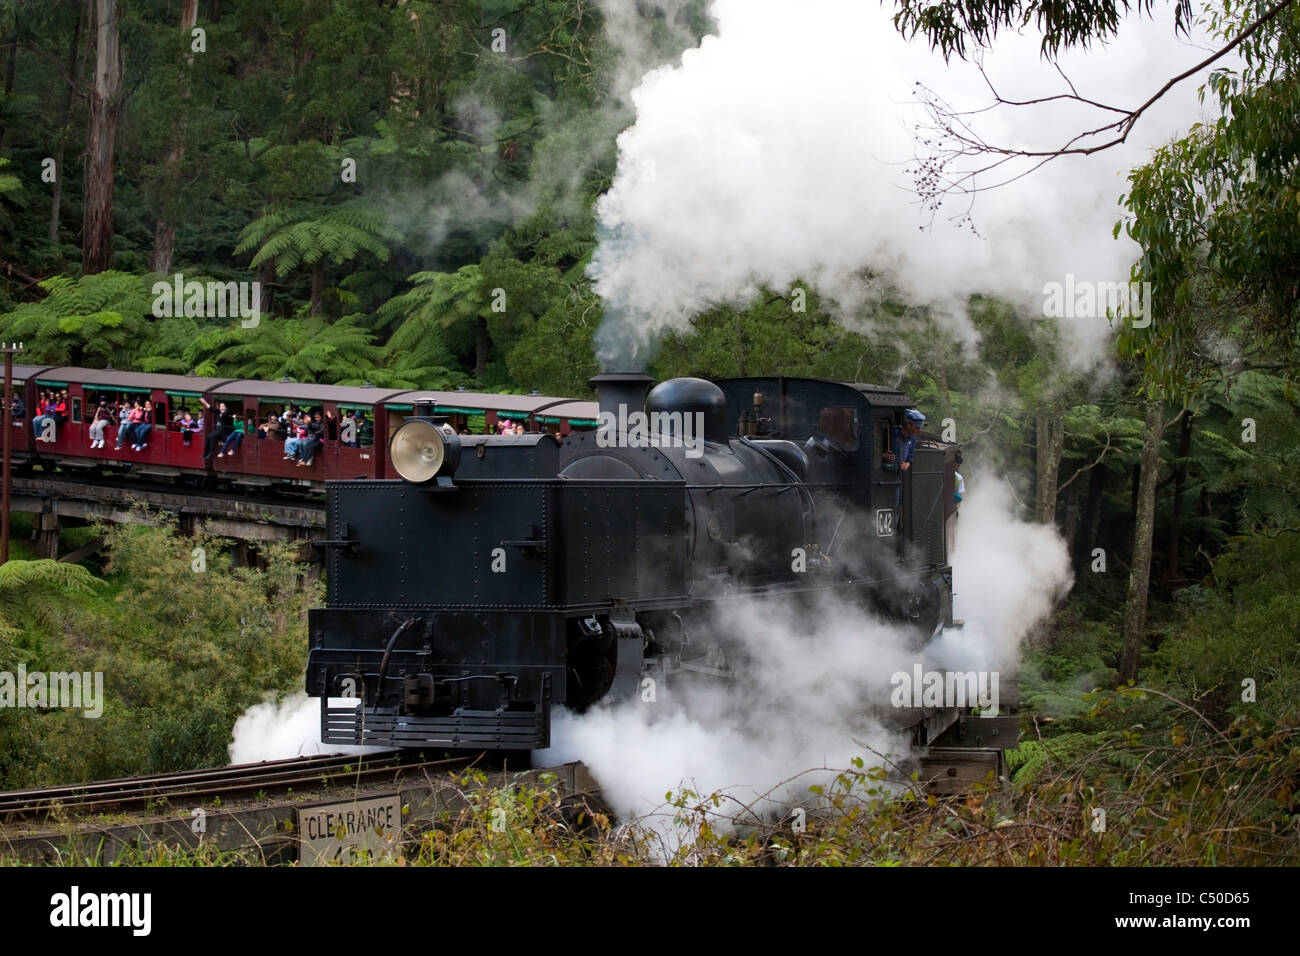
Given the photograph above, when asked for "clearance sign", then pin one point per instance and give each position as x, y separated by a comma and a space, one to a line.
337, 832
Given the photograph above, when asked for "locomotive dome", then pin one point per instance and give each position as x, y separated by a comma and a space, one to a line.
690, 396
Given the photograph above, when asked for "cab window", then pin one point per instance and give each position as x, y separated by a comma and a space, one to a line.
839, 423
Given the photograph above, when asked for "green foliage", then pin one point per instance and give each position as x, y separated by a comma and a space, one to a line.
182, 653
11, 197
9, 183
38, 594
313, 349
766, 337
1238, 625
90, 320
1033, 757
295, 235
1215, 214
950, 25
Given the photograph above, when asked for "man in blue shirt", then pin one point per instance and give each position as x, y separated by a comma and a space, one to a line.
905, 439
904, 443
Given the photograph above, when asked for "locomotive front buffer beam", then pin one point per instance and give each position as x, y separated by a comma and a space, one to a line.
450, 680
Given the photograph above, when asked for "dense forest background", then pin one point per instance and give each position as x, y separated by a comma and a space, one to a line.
383, 167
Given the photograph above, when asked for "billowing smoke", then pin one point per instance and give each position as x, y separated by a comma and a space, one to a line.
815, 689
1007, 577
279, 730
779, 151
479, 200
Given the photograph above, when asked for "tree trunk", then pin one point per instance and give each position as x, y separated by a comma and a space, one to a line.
1091, 518
97, 225
11, 63
480, 347
164, 234
1172, 556
1050, 441
1040, 459
1137, 484
317, 287
56, 194
164, 245
1135, 609
1071, 528
265, 278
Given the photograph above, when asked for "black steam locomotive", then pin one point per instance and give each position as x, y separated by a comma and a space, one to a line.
503, 576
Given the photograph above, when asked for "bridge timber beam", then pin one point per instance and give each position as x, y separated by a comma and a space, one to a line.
52, 499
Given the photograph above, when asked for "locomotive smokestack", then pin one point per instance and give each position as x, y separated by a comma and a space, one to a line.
621, 388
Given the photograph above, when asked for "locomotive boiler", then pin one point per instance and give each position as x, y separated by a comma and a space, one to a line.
504, 576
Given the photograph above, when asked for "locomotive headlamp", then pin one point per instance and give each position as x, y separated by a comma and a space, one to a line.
421, 451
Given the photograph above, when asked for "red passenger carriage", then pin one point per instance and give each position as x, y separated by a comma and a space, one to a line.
358, 422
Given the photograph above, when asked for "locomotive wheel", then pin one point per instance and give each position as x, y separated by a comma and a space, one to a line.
919, 609
591, 663
924, 610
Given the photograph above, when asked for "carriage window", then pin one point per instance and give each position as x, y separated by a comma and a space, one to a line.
175, 406
76, 409
839, 423
356, 429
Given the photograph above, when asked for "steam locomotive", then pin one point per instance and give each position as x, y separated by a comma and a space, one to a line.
503, 576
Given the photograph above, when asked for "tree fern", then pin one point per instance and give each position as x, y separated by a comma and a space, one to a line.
305, 350
9, 183
297, 234
1027, 762
39, 592
86, 320
11, 195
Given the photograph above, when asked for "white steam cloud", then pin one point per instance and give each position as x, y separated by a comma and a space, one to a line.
778, 151
815, 690
280, 730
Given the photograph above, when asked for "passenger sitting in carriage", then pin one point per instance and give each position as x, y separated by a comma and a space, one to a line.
189, 425
54, 411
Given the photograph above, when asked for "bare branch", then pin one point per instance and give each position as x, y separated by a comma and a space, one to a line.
1080, 471
956, 138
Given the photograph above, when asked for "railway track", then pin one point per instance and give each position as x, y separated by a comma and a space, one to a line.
240, 781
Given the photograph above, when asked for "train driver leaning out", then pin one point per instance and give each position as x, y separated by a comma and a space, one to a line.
905, 436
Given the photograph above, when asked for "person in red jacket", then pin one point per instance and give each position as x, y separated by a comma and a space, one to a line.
56, 412
143, 427
127, 431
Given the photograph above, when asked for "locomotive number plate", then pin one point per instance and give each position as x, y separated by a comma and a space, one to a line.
884, 522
